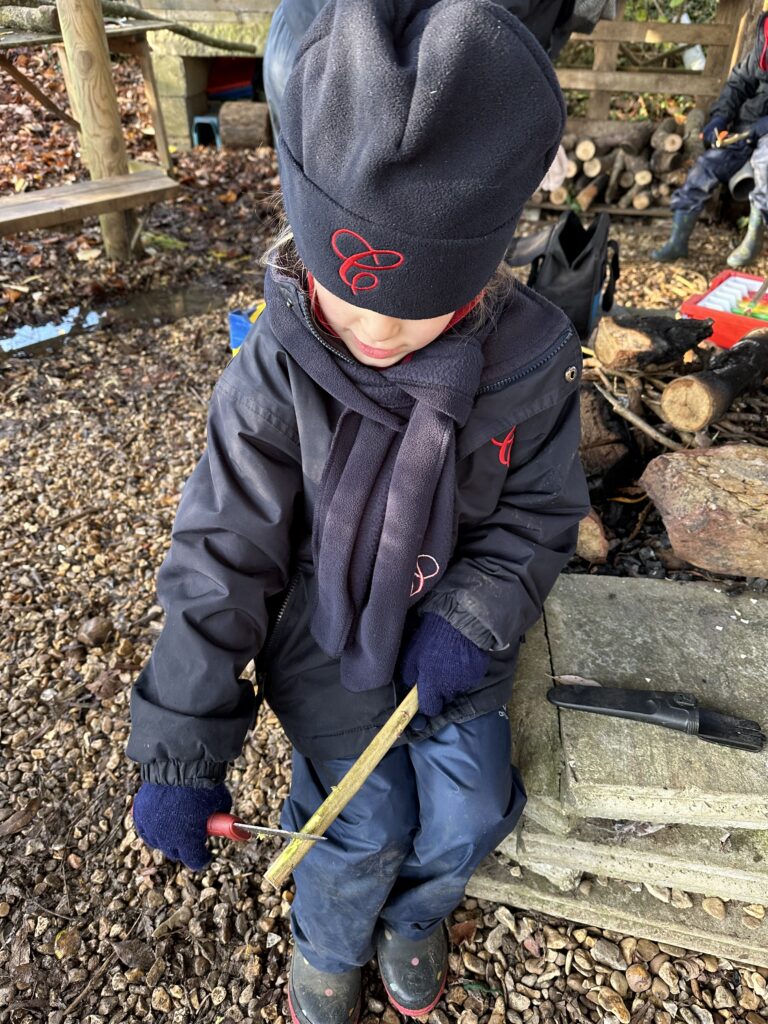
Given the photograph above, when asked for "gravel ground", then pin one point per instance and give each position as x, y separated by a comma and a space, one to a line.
95, 443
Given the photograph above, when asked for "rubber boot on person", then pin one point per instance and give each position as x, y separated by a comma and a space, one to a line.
751, 245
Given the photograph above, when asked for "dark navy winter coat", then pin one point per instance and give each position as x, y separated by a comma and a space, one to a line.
744, 97
238, 582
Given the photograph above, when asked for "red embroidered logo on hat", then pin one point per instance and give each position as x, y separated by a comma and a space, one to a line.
423, 574
505, 446
364, 259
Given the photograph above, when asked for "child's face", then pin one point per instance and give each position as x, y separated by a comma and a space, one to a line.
375, 339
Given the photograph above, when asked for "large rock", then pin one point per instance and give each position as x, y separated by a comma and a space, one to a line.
731, 864
714, 503
659, 635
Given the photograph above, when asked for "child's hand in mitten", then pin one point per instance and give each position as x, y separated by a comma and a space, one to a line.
712, 129
173, 819
441, 662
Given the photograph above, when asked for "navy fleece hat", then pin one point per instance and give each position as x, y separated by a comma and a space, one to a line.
412, 133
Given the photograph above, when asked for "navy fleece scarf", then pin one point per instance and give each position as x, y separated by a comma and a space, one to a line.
383, 528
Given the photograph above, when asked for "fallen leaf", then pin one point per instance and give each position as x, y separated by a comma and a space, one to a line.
88, 254
575, 681
463, 932
20, 819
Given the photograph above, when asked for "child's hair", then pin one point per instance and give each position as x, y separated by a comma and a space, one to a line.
281, 255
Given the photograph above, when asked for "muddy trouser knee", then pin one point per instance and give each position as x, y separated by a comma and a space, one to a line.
405, 846
279, 56
758, 197
714, 167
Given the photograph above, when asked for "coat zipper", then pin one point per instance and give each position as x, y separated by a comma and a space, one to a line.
562, 341
283, 608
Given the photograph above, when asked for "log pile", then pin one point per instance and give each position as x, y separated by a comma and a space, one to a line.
690, 421
633, 166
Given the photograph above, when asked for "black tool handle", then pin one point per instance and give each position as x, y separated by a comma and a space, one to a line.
671, 709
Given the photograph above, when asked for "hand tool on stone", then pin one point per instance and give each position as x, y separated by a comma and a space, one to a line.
229, 827
282, 866
668, 708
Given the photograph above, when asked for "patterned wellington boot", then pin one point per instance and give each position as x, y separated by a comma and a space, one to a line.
677, 246
315, 997
413, 973
752, 244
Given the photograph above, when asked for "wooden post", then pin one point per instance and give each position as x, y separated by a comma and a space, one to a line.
94, 103
139, 48
606, 54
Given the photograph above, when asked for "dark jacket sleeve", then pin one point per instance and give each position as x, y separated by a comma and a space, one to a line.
230, 550
505, 566
740, 86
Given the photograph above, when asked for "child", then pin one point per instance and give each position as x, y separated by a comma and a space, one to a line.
390, 489
741, 107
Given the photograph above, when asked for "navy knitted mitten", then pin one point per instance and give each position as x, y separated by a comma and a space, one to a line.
173, 819
441, 662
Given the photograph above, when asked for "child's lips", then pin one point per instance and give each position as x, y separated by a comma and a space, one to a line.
375, 353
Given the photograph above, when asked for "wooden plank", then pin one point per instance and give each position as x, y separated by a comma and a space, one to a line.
62, 204
654, 32
652, 211
686, 83
13, 40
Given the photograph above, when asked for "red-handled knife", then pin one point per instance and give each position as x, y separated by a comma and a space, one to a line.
229, 827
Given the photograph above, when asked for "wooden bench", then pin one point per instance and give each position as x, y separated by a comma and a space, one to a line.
62, 204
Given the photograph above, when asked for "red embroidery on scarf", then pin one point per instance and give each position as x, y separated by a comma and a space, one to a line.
505, 446
364, 260
421, 576
762, 62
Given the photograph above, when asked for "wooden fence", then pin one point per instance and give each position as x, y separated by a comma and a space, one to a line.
722, 39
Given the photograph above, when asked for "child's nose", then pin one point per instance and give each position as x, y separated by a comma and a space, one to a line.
379, 328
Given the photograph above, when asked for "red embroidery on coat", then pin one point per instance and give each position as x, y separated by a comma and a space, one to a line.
762, 62
365, 259
505, 447
421, 576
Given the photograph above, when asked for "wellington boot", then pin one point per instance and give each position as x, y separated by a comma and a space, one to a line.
751, 245
677, 246
316, 997
413, 973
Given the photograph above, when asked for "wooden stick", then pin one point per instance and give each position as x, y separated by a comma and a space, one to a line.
32, 89
636, 421
282, 866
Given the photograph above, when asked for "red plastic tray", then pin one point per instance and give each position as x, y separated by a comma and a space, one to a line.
728, 327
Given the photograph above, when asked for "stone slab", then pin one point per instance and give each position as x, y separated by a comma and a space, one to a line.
709, 861
536, 748
664, 635
616, 908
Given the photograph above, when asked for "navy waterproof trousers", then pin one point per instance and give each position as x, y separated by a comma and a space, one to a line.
403, 849
715, 167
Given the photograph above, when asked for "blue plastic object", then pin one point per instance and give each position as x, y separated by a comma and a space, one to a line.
205, 127
240, 322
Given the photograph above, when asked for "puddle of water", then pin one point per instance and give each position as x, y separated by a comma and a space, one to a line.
74, 322
157, 306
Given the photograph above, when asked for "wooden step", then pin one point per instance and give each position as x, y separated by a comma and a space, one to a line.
61, 204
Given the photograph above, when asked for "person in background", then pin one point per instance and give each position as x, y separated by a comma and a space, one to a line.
390, 489
741, 107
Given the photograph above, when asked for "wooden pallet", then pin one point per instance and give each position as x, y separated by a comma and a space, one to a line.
62, 204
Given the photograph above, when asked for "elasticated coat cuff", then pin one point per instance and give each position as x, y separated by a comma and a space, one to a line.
198, 774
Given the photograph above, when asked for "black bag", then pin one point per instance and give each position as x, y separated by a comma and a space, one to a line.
568, 266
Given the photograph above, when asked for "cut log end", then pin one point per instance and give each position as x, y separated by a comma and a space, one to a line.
688, 405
